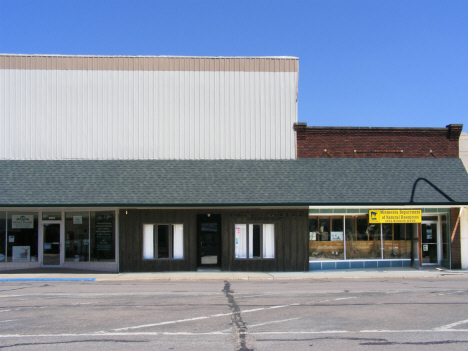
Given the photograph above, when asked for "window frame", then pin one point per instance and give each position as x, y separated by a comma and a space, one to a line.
170, 242
247, 241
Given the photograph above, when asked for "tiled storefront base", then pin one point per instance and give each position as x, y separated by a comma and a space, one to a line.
358, 264
92, 266
8, 266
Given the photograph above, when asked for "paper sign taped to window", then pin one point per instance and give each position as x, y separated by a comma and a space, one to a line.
336, 236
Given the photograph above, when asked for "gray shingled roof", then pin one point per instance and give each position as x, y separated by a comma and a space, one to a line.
233, 182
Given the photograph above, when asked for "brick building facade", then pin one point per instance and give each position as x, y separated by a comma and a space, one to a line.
375, 142
370, 142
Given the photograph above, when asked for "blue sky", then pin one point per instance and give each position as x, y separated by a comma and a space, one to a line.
361, 63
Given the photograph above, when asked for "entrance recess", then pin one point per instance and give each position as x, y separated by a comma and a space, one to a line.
209, 240
430, 247
51, 244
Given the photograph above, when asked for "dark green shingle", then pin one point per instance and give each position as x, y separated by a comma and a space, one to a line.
233, 182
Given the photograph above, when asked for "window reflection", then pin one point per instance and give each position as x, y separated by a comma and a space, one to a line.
77, 236
363, 240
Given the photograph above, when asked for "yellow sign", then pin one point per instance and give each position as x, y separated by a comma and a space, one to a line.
395, 216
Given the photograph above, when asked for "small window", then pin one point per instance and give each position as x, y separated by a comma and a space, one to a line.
163, 241
256, 239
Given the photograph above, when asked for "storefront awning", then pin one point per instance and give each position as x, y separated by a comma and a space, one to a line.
202, 183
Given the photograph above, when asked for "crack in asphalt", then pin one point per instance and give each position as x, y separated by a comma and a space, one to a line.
376, 340
238, 324
442, 342
372, 341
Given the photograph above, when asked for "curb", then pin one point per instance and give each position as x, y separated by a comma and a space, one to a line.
48, 280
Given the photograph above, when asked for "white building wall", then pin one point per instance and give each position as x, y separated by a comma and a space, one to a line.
463, 143
147, 114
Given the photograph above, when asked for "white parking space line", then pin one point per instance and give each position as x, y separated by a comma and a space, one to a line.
414, 331
452, 325
272, 322
199, 318
345, 298
227, 333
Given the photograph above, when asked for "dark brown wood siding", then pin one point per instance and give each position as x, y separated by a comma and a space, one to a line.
291, 250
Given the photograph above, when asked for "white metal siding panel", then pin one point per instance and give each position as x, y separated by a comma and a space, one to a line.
96, 114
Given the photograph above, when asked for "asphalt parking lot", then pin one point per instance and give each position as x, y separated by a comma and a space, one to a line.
353, 314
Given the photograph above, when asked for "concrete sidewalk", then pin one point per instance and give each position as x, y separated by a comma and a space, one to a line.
70, 275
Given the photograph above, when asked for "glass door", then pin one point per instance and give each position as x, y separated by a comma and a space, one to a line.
51, 244
430, 249
209, 240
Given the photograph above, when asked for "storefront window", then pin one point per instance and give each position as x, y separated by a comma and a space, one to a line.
326, 238
387, 231
22, 237
2, 236
103, 236
329, 236
77, 236
352, 250
256, 239
163, 241
362, 239
361, 228
397, 240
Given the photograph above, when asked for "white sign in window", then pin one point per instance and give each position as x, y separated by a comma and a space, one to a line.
241, 240
22, 221
336, 236
268, 241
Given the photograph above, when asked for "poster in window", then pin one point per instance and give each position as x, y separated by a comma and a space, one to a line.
21, 254
104, 231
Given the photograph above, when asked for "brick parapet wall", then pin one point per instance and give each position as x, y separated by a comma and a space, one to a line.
455, 243
336, 142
